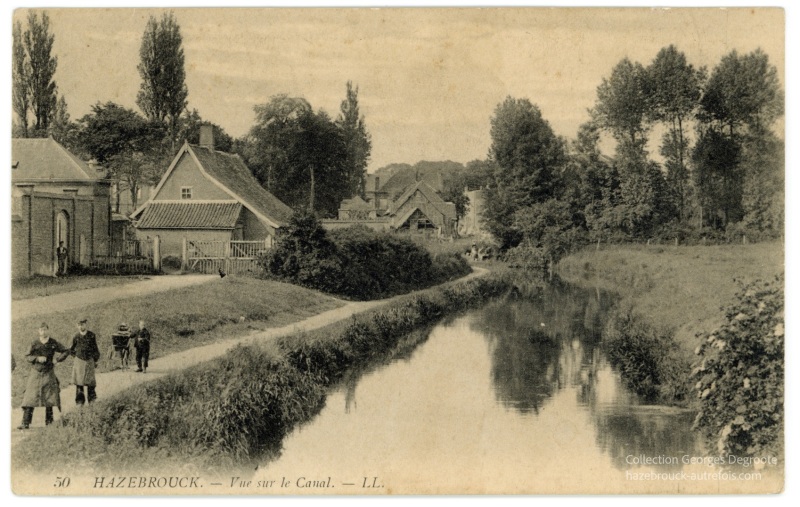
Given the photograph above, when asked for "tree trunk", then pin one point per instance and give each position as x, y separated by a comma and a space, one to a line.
313, 189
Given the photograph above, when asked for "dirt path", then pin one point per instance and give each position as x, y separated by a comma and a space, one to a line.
112, 382
78, 299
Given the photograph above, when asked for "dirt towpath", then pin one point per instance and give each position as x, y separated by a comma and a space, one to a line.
79, 299
112, 382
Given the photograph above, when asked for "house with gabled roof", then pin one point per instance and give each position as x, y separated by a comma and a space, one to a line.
420, 208
55, 197
209, 195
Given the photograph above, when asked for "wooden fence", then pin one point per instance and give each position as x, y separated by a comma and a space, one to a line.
137, 256
229, 257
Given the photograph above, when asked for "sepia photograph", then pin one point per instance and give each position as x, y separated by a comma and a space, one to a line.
421, 250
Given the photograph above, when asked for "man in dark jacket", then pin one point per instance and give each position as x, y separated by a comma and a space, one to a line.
142, 345
84, 348
62, 254
42, 389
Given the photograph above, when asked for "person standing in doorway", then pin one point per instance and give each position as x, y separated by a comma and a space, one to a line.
62, 253
142, 345
84, 348
42, 389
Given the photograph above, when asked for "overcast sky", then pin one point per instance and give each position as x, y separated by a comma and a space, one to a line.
429, 79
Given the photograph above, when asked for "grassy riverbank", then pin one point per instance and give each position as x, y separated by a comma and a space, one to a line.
239, 406
179, 319
668, 295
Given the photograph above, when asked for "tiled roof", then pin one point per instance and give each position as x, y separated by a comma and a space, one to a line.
45, 159
189, 215
355, 204
445, 208
230, 171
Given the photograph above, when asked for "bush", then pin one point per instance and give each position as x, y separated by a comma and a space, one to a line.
740, 377
648, 359
171, 262
356, 262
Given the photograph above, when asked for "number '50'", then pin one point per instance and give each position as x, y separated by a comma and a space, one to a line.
61, 482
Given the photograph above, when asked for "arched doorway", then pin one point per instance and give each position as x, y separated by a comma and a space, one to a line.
62, 234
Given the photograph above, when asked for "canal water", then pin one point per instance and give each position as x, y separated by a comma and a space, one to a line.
514, 397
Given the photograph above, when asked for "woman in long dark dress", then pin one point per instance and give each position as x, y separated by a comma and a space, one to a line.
42, 389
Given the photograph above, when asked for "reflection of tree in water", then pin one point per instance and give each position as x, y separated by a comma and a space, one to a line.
644, 431
541, 339
402, 351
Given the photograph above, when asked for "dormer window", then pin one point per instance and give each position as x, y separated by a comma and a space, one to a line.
186, 192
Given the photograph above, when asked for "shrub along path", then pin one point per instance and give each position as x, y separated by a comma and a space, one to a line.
112, 382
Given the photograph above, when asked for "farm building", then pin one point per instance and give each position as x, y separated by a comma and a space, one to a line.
209, 195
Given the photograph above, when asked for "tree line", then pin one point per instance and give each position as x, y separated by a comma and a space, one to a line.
721, 171
304, 157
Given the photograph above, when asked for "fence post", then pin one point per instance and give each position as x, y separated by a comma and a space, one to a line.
227, 256
157, 253
184, 256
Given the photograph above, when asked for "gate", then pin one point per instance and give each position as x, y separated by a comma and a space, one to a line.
229, 257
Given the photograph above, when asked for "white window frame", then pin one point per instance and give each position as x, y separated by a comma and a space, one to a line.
186, 193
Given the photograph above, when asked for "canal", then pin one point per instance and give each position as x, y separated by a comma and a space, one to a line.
514, 397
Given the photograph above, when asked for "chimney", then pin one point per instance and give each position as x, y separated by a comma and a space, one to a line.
207, 136
96, 168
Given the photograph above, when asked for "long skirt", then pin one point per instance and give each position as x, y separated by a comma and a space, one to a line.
83, 373
42, 390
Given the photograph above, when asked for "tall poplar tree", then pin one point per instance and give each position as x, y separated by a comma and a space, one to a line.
674, 96
357, 140
20, 71
38, 44
162, 95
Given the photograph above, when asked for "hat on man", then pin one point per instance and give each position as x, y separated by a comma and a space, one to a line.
83, 321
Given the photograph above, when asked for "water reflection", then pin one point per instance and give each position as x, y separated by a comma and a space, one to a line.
548, 340
543, 342
516, 395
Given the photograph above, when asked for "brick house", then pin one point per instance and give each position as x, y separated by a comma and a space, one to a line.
55, 197
209, 195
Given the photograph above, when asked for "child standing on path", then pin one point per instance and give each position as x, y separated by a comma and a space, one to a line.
142, 345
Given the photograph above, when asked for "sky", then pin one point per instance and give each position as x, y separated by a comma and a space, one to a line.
428, 79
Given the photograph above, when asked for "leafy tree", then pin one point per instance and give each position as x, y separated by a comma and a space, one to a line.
718, 177
20, 77
38, 42
623, 107
270, 142
674, 95
528, 156
64, 130
357, 140
453, 191
132, 147
163, 92
741, 101
743, 91
763, 164
298, 155
479, 174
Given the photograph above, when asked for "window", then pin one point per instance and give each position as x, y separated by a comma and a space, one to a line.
186, 192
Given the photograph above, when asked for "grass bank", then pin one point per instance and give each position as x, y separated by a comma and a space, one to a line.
667, 296
236, 408
179, 319
39, 286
